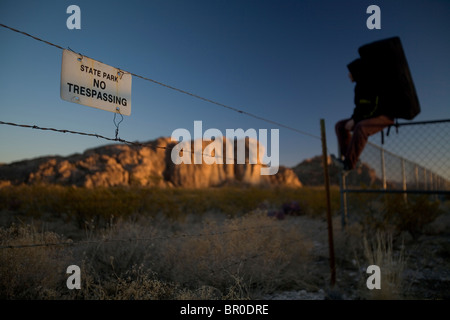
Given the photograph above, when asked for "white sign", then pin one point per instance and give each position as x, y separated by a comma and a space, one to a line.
95, 84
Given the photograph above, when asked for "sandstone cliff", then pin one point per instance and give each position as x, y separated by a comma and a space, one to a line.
147, 166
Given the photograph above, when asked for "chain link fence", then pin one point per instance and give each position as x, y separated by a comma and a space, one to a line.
407, 158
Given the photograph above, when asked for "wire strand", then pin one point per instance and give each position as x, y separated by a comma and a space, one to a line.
109, 240
182, 91
34, 37
117, 139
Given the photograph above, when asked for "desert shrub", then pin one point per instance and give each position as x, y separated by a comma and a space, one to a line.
250, 253
413, 215
394, 214
154, 243
234, 258
113, 251
137, 283
357, 249
292, 208
379, 250
31, 272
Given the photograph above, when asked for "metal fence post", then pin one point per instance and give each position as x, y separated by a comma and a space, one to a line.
425, 180
343, 186
433, 182
430, 181
383, 169
343, 193
327, 190
416, 176
405, 196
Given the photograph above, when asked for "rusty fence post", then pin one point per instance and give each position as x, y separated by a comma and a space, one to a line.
327, 190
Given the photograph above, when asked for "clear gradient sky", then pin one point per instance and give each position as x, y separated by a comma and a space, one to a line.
282, 60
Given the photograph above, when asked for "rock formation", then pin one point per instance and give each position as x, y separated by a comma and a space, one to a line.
149, 165
310, 172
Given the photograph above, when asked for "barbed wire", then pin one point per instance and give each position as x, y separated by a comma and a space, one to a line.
110, 240
180, 90
31, 36
238, 261
116, 139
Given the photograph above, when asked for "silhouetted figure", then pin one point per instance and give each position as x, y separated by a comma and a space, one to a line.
384, 91
367, 119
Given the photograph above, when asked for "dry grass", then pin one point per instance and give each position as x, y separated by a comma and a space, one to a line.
31, 273
204, 254
78, 205
379, 251
252, 254
237, 258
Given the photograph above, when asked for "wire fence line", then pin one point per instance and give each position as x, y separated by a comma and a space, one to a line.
111, 240
416, 156
213, 270
255, 116
414, 159
72, 243
442, 179
116, 139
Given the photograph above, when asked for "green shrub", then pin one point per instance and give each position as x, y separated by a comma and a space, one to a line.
396, 215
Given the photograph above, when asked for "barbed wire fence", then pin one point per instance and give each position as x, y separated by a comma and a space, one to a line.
240, 111
136, 239
424, 171
407, 158
70, 243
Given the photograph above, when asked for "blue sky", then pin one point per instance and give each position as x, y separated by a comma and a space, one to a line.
282, 60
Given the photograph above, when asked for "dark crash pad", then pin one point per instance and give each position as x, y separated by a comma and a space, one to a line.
390, 71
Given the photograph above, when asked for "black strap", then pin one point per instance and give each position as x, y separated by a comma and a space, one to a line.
389, 128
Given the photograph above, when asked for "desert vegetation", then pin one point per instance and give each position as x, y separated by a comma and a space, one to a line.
216, 243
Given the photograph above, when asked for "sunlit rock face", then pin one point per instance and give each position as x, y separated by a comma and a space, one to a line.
147, 166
